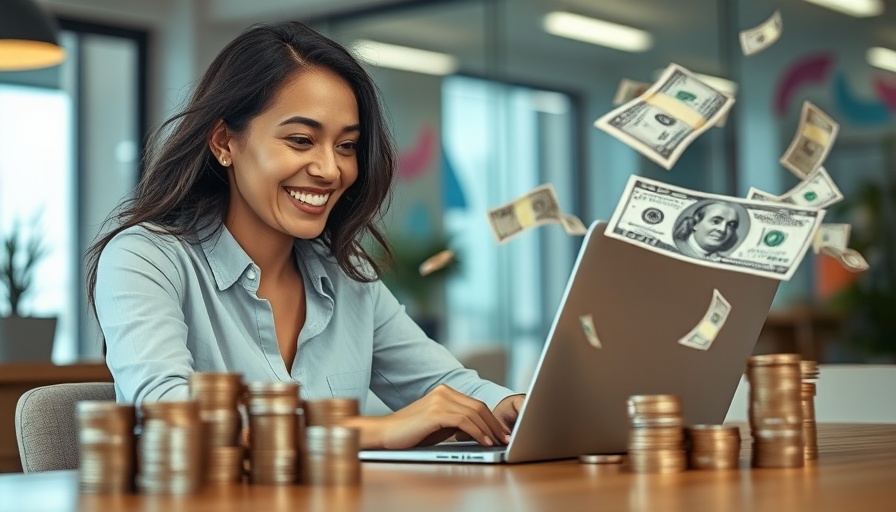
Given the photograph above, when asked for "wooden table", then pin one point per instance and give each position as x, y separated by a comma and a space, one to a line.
856, 472
16, 379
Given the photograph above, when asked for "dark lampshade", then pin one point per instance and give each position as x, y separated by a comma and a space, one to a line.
27, 37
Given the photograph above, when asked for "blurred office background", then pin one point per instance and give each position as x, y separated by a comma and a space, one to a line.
501, 106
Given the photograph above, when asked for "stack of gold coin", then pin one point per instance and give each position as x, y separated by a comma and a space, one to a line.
273, 432
809, 374
776, 414
656, 439
713, 446
219, 396
330, 412
106, 447
331, 456
169, 451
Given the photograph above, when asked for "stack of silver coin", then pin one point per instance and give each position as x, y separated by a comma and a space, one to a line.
809, 374
169, 450
273, 432
656, 439
776, 410
331, 456
330, 411
219, 396
106, 447
713, 446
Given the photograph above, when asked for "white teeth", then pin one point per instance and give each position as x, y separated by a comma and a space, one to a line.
312, 199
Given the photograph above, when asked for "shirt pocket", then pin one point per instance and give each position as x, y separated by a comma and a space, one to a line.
350, 384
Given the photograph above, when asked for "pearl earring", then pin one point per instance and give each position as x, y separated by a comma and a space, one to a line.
225, 162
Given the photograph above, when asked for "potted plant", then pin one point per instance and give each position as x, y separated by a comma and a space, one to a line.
22, 337
869, 302
423, 296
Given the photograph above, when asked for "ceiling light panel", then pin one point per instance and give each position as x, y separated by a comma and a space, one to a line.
404, 58
857, 8
595, 31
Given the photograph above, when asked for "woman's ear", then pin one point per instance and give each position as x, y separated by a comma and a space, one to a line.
219, 143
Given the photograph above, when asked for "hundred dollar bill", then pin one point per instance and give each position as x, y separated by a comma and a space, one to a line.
538, 207
811, 143
629, 90
818, 190
664, 120
832, 235
755, 237
758, 38
702, 336
590, 332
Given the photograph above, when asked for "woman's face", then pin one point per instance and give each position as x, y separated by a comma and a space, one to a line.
295, 159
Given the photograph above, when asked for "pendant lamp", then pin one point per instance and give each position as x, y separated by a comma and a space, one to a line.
28, 37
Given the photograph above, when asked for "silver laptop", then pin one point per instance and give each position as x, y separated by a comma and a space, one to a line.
642, 303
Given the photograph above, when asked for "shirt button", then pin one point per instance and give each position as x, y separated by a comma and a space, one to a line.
251, 274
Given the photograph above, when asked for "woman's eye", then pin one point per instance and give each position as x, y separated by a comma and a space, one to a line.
348, 146
301, 141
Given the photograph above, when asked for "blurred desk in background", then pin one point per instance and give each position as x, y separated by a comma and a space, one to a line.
802, 330
15, 379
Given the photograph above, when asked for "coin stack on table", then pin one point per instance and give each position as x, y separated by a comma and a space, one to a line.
713, 446
330, 411
809, 374
219, 396
169, 450
656, 439
331, 455
776, 410
106, 447
273, 432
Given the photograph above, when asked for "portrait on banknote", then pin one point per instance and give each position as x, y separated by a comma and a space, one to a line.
710, 229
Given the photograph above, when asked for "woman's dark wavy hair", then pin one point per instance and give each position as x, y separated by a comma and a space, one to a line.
184, 189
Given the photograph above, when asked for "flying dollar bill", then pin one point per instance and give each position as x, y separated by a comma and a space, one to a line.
818, 190
758, 38
664, 120
702, 336
850, 259
538, 207
812, 142
832, 235
587, 322
629, 90
755, 237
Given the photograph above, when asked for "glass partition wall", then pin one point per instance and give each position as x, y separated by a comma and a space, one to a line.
512, 107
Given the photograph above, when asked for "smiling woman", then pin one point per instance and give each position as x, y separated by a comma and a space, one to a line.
241, 250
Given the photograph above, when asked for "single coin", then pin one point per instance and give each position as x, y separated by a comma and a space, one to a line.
438, 261
600, 459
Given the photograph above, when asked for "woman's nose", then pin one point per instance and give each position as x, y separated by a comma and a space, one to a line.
324, 166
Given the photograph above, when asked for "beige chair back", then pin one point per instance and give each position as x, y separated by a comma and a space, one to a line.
46, 426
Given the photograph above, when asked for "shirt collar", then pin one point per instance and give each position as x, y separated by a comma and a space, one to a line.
309, 257
226, 258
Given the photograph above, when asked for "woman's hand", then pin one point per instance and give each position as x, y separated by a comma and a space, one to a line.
508, 410
434, 418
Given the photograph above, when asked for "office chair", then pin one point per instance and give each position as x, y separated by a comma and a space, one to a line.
46, 425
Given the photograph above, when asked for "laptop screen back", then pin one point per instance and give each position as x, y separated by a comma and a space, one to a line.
641, 304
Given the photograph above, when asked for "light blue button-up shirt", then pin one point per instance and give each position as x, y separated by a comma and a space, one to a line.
169, 307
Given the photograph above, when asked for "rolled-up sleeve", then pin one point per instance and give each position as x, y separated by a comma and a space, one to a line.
138, 304
407, 364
